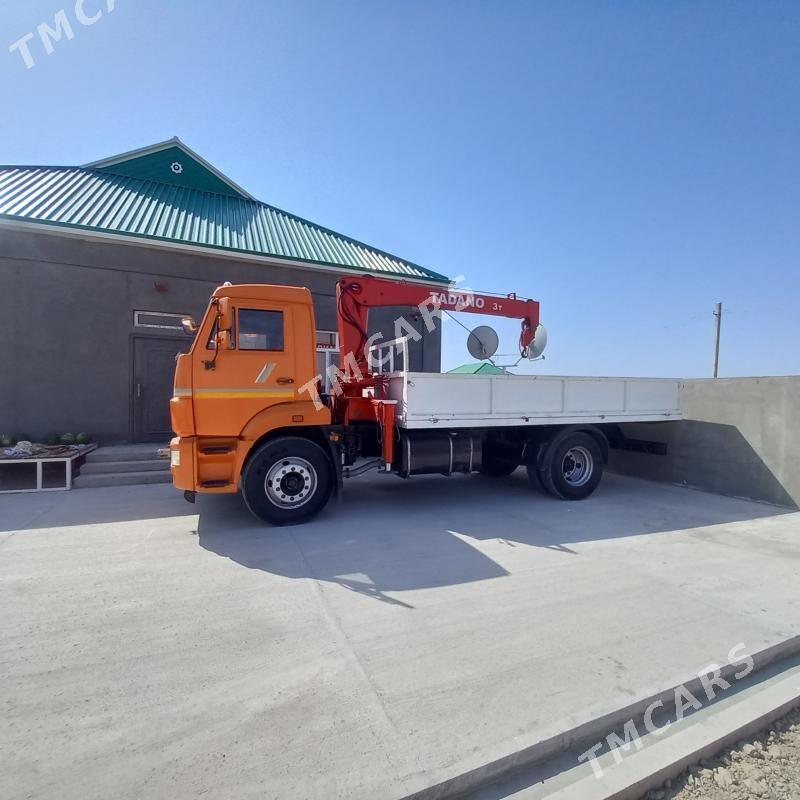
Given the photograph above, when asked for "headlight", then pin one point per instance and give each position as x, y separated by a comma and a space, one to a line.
175, 458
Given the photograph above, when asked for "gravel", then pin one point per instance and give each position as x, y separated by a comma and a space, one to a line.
767, 765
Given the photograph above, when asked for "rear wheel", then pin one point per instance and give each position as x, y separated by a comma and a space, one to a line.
571, 467
287, 481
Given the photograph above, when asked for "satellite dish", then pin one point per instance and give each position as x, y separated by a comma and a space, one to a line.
482, 342
537, 346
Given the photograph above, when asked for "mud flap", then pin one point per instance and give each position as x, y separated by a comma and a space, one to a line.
334, 440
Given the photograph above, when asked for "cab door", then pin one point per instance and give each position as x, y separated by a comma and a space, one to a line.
256, 369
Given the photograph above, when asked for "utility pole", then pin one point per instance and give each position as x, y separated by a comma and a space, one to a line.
717, 325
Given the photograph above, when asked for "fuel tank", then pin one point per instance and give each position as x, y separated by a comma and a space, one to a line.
422, 452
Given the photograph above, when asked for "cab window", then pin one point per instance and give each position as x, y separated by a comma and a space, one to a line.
211, 344
260, 330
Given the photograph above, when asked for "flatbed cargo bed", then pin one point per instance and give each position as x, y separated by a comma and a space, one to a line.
426, 400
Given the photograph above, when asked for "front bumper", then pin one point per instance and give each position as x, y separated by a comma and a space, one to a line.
181, 462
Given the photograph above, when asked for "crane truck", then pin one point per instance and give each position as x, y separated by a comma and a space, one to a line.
251, 415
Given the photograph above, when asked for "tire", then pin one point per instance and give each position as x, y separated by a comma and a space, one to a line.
571, 468
499, 461
287, 481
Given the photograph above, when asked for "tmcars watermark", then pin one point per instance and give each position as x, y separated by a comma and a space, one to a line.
376, 357
711, 681
377, 354
60, 28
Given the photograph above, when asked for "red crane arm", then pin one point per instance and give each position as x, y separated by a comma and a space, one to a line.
356, 295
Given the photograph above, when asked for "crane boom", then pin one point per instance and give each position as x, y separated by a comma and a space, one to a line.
356, 295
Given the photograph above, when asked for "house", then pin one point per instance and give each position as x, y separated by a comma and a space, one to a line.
99, 263
483, 368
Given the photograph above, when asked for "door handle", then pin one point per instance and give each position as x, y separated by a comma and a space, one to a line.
285, 380
138, 389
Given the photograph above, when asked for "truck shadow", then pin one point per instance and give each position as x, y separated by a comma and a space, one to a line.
392, 535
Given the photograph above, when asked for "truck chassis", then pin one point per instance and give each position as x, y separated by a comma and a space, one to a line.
291, 476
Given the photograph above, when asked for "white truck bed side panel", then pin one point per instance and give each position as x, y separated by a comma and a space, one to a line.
643, 394
594, 397
474, 393
543, 396
432, 400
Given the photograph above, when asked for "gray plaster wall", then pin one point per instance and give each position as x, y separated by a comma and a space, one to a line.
740, 437
68, 304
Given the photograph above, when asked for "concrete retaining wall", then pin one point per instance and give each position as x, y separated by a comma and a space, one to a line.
740, 436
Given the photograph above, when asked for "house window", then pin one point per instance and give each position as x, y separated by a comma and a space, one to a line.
327, 340
158, 319
327, 355
260, 330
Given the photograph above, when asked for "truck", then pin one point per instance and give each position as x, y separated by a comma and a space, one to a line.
250, 413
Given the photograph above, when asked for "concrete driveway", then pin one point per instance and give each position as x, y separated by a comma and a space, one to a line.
154, 649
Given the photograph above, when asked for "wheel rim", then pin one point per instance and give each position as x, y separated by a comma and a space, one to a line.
577, 466
290, 482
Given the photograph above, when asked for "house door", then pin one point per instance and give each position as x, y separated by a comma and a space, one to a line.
153, 376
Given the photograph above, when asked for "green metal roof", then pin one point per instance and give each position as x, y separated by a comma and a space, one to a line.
143, 194
484, 368
171, 165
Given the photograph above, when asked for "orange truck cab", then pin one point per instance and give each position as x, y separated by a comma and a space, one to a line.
238, 386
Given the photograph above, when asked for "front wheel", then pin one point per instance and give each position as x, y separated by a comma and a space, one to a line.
287, 481
571, 467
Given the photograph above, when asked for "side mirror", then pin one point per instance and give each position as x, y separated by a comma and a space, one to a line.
224, 324
225, 340
225, 314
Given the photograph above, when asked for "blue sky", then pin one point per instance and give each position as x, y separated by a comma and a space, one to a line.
628, 164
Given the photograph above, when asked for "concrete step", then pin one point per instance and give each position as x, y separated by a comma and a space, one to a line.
90, 481
104, 467
127, 452
595, 769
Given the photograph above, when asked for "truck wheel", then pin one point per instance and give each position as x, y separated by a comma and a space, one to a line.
287, 481
572, 467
